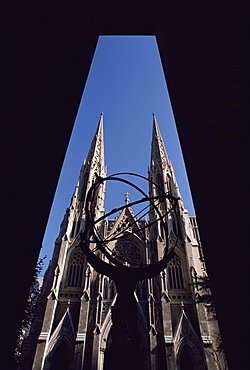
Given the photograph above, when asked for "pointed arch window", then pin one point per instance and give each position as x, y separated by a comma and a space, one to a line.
105, 289
76, 269
174, 223
108, 289
168, 182
174, 271
160, 184
84, 187
141, 290
194, 277
161, 192
72, 234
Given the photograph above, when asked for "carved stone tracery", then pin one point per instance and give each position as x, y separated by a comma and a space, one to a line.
128, 252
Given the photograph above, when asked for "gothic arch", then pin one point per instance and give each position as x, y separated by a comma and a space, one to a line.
109, 289
168, 183
143, 331
175, 273
141, 290
133, 237
160, 182
189, 354
105, 331
84, 187
186, 361
76, 266
105, 292
175, 224
60, 356
75, 227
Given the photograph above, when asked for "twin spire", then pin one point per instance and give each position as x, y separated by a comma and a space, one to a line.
94, 165
158, 151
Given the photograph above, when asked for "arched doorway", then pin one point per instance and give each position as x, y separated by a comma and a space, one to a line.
59, 359
186, 362
124, 357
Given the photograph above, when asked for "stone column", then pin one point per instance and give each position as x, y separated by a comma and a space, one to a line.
81, 331
45, 332
152, 333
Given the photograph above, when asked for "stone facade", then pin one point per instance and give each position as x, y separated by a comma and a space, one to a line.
176, 325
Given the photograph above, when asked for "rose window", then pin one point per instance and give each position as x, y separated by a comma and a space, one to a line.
126, 251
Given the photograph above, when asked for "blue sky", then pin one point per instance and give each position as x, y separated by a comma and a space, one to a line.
127, 83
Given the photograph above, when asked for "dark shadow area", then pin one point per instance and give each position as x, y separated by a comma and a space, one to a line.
48, 48
60, 358
186, 362
125, 358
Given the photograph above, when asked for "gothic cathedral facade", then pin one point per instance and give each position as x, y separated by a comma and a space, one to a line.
177, 326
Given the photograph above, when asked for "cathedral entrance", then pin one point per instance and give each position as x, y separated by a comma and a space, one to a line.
123, 359
186, 362
125, 353
59, 359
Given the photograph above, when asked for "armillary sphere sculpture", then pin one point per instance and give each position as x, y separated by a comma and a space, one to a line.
124, 349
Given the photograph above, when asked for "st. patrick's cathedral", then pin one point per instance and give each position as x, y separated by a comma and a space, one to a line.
175, 325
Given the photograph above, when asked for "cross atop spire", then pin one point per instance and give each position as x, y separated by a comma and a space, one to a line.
127, 197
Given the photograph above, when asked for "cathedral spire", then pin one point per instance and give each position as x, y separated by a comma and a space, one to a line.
95, 157
92, 167
161, 171
158, 151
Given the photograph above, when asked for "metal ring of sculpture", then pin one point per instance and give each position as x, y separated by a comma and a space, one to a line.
91, 232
